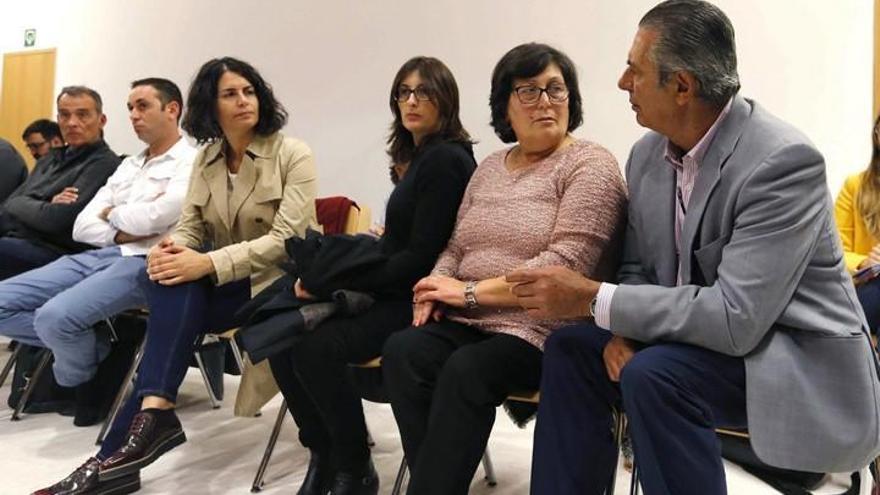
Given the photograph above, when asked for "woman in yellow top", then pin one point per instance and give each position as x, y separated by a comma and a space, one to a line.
857, 212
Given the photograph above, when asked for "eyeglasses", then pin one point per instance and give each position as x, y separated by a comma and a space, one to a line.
529, 95
421, 93
34, 146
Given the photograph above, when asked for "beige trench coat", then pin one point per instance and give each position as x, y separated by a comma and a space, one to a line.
273, 198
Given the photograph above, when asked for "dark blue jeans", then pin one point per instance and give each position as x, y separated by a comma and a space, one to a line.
869, 297
20, 255
674, 396
179, 316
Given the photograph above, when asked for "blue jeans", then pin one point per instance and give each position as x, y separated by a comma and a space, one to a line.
674, 396
179, 316
20, 255
56, 305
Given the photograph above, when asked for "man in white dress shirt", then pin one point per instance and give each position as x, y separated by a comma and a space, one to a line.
56, 306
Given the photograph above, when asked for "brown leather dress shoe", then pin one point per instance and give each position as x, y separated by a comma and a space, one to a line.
147, 440
84, 481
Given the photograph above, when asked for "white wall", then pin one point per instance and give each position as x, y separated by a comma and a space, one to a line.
332, 62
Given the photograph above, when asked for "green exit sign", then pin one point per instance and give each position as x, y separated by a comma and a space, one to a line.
30, 37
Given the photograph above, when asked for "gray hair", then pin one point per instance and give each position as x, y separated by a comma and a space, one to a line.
697, 37
80, 91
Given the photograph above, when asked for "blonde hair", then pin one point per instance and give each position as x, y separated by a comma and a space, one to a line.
868, 198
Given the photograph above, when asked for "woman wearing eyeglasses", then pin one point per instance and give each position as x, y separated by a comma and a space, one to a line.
551, 199
857, 212
313, 376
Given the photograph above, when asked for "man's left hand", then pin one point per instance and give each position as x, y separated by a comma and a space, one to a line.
553, 292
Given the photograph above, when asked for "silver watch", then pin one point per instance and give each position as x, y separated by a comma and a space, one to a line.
470, 295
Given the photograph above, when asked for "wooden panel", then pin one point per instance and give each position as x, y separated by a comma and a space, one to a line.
28, 87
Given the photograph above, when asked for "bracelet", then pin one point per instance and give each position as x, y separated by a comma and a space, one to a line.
470, 295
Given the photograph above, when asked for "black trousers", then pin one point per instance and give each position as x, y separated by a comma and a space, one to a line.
314, 378
445, 381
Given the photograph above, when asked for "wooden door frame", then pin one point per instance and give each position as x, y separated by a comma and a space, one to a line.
12, 124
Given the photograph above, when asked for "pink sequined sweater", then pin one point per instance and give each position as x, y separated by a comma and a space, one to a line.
564, 210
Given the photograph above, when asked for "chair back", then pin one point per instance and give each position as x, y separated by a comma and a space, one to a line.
340, 215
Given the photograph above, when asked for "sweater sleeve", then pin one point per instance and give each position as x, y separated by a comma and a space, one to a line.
590, 212
845, 215
440, 183
55, 221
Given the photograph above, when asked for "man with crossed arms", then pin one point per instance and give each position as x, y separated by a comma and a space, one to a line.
56, 305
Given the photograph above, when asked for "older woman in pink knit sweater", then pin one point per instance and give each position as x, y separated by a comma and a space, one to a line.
551, 199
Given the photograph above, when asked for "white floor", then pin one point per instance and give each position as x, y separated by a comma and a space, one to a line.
223, 452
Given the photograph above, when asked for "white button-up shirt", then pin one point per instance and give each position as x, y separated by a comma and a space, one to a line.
146, 197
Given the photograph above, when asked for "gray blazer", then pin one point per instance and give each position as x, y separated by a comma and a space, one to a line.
764, 278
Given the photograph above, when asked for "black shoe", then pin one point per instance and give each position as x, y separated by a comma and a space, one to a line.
318, 477
151, 434
362, 482
84, 481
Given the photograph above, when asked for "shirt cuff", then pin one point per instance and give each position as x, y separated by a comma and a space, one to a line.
603, 305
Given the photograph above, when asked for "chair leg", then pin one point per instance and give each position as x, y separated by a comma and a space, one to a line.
401, 477
236, 351
214, 402
45, 358
114, 337
127, 384
634, 484
489, 469
619, 430
270, 447
7, 368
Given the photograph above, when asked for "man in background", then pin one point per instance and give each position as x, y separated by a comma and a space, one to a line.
41, 136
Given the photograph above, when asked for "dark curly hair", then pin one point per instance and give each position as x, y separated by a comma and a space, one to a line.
200, 120
441, 85
529, 60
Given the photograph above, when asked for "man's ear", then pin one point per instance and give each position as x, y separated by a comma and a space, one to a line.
686, 87
174, 108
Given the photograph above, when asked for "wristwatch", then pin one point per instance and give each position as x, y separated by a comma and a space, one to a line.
593, 307
470, 295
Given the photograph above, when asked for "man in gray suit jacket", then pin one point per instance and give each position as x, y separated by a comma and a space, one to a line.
755, 324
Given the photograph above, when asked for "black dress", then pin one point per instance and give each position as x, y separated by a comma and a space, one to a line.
313, 375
